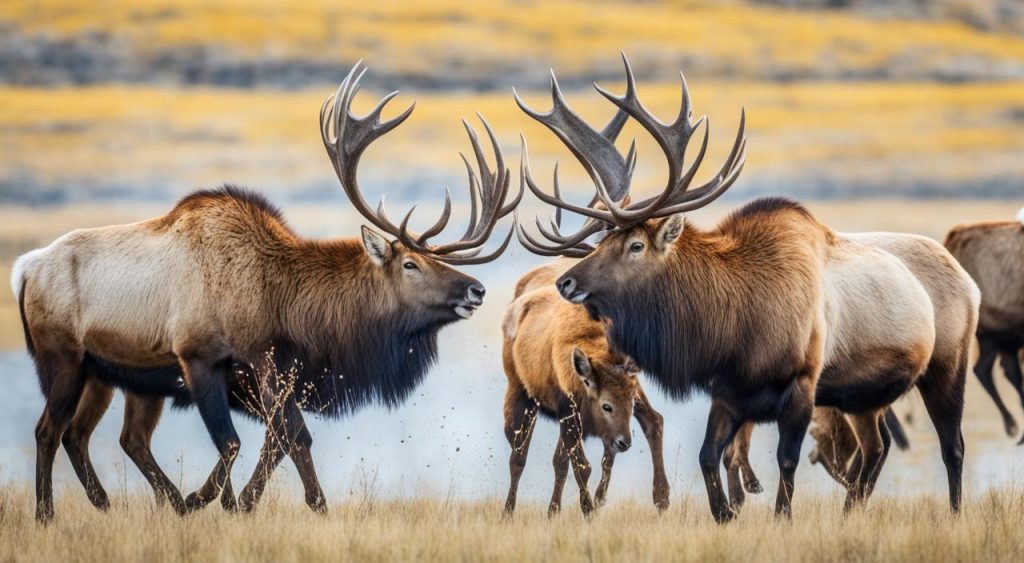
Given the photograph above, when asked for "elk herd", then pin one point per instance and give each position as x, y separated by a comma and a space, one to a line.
772, 315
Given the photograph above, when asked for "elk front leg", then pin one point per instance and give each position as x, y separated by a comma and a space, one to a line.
286, 435
571, 428
653, 426
206, 378
520, 417
722, 427
793, 422
95, 400
561, 464
607, 460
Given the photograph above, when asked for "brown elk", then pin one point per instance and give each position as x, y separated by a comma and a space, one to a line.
769, 313
194, 305
559, 364
992, 252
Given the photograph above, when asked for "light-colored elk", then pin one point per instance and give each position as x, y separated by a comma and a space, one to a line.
769, 313
993, 253
192, 303
559, 364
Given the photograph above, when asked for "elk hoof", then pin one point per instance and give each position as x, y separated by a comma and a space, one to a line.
725, 515
195, 502
1011, 427
228, 502
753, 487
553, 509
317, 504
44, 514
100, 501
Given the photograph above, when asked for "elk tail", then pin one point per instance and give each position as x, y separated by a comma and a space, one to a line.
899, 433
19, 280
1020, 215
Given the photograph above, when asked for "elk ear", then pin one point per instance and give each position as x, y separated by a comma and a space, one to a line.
581, 363
630, 365
669, 231
377, 246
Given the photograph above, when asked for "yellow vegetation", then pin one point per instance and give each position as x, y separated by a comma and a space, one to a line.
433, 529
418, 36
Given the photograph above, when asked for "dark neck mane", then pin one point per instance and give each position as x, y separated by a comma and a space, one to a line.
345, 337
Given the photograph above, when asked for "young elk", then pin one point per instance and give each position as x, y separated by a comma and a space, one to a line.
197, 303
993, 253
558, 363
769, 313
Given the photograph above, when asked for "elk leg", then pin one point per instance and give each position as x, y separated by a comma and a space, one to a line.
93, 404
653, 426
141, 415
207, 384
520, 417
734, 458
793, 423
887, 441
987, 351
722, 427
60, 375
943, 395
286, 435
571, 426
866, 428
607, 460
1011, 367
561, 465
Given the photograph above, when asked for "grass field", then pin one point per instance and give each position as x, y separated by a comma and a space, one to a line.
432, 529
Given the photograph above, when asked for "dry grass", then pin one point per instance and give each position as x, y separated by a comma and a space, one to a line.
433, 529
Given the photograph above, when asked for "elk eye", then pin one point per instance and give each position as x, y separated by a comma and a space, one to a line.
410, 265
606, 407
636, 247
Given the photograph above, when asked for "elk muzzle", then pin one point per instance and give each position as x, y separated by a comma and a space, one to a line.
570, 290
474, 297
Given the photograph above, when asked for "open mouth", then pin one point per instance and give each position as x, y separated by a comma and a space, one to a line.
465, 309
578, 296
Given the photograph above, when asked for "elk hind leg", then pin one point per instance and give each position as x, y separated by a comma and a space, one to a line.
95, 400
987, 352
653, 425
560, 462
141, 416
866, 426
61, 377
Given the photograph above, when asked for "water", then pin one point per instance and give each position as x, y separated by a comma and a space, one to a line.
448, 439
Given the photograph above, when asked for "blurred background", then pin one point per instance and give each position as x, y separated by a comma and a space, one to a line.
898, 115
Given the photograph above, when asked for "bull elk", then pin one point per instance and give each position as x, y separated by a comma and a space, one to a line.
769, 313
196, 303
559, 364
992, 252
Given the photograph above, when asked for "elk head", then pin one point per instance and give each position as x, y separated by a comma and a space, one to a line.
415, 268
638, 238
610, 382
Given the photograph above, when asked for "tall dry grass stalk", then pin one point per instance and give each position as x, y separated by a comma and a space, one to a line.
363, 528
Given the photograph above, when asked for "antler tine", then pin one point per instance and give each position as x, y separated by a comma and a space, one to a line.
493, 189
526, 177
594, 150
351, 136
672, 138
471, 258
722, 181
536, 247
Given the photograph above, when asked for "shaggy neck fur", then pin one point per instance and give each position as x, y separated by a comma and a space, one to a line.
345, 331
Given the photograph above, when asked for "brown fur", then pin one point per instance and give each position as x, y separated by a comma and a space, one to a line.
772, 312
993, 253
544, 338
168, 306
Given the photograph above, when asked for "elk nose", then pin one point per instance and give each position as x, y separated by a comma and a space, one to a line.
566, 286
477, 292
622, 444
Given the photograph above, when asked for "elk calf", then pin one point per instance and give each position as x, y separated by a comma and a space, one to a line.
993, 253
559, 364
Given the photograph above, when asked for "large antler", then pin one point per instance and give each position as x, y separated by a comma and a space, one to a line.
611, 173
346, 137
